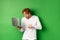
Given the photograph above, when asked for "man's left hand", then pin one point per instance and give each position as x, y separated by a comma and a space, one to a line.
30, 26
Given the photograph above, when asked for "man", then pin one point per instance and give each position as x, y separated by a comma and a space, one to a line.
29, 24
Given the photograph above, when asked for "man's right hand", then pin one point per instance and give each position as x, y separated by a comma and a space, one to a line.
19, 27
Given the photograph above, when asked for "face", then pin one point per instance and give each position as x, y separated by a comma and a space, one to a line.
27, 15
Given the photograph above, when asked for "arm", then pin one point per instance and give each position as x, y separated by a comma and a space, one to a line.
21, 28
38, 24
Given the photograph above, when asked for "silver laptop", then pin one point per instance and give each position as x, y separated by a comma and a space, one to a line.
15, 21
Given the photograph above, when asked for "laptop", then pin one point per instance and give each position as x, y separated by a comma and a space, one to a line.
15, 21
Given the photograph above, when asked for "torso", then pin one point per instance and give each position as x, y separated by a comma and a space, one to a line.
29, 32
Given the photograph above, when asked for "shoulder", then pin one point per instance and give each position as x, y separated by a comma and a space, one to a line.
22, 19
35, 16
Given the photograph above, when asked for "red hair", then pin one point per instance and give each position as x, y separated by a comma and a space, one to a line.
27, 10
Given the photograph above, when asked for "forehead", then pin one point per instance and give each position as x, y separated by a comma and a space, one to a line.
26, 13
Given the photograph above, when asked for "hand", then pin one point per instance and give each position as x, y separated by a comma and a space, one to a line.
19, 27
30, 26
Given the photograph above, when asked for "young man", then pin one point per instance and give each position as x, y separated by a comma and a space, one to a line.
29, 24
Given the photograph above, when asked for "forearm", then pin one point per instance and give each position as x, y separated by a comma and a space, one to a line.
37, 27
20, 28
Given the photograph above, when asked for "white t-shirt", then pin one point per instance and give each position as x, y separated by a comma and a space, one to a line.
30, 33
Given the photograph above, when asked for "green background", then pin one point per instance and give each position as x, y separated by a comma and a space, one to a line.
47, 10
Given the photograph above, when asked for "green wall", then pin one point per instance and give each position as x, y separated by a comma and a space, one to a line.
47, 10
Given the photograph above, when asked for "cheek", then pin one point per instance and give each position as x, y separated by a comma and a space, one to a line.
26, 15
